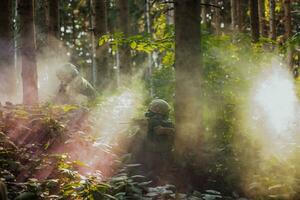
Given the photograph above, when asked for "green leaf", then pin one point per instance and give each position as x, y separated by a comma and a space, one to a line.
133, 44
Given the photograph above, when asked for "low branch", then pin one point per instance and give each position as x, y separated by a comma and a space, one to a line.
201, 4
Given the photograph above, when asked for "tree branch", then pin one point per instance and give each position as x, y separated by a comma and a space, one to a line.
201, 4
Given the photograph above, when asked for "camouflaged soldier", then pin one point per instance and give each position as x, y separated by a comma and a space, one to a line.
160, 136
72, 85
160, 129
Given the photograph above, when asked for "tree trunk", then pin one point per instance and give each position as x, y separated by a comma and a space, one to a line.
226, 14
233, 4
239, 15
53, 6
7, 75
254, 20
99, 13
288, 32
217, 18
124, 50
204, 13
40, 25
261, 15
150, 60
29, 68
287, 19
272, 20
187, 70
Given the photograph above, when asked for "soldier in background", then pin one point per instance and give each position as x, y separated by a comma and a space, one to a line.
160, 135
73, 87
153, 145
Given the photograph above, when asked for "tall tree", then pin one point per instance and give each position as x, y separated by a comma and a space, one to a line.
287, 19
204, 13
187, 69
261, 15
234, 18
123, 26
28, 47
254, 20
288, 31
239, 14
53, 18
99, 25
272, 33
7, 85
150, 60
217, 17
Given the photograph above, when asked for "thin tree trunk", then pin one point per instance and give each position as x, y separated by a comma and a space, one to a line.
233, 4
29, 68
94, 44
41, 23
187, 70
272, 20
100, 28
150, 61
7, 72
17, 60
54, 24
226, 13
217, 18
288, 32
124, 50
254, 20
287, 19
204, 13
239, 14
261, 15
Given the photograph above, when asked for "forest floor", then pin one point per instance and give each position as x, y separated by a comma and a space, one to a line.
52, 152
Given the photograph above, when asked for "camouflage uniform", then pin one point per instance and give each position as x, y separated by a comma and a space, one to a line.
160, 137
73, 88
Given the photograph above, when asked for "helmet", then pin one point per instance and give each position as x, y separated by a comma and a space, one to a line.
159, 106
67, 72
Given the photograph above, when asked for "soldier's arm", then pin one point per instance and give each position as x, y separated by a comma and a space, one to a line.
164, 130
87, 89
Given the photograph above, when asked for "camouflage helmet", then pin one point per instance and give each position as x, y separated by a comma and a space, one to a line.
67, 72
159, 106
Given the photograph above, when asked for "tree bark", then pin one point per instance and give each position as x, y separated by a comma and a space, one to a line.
261, 15
99, 13
233, 4
124, 50
239, 15
288, 33
254, 20
150, 60
28, 47
272, 20
53, 6
287, 19
204, 13
217, 18
187, 70
41, 23
7, 85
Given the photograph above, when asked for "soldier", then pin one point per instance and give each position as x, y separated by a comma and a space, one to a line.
72, 85
160, 137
